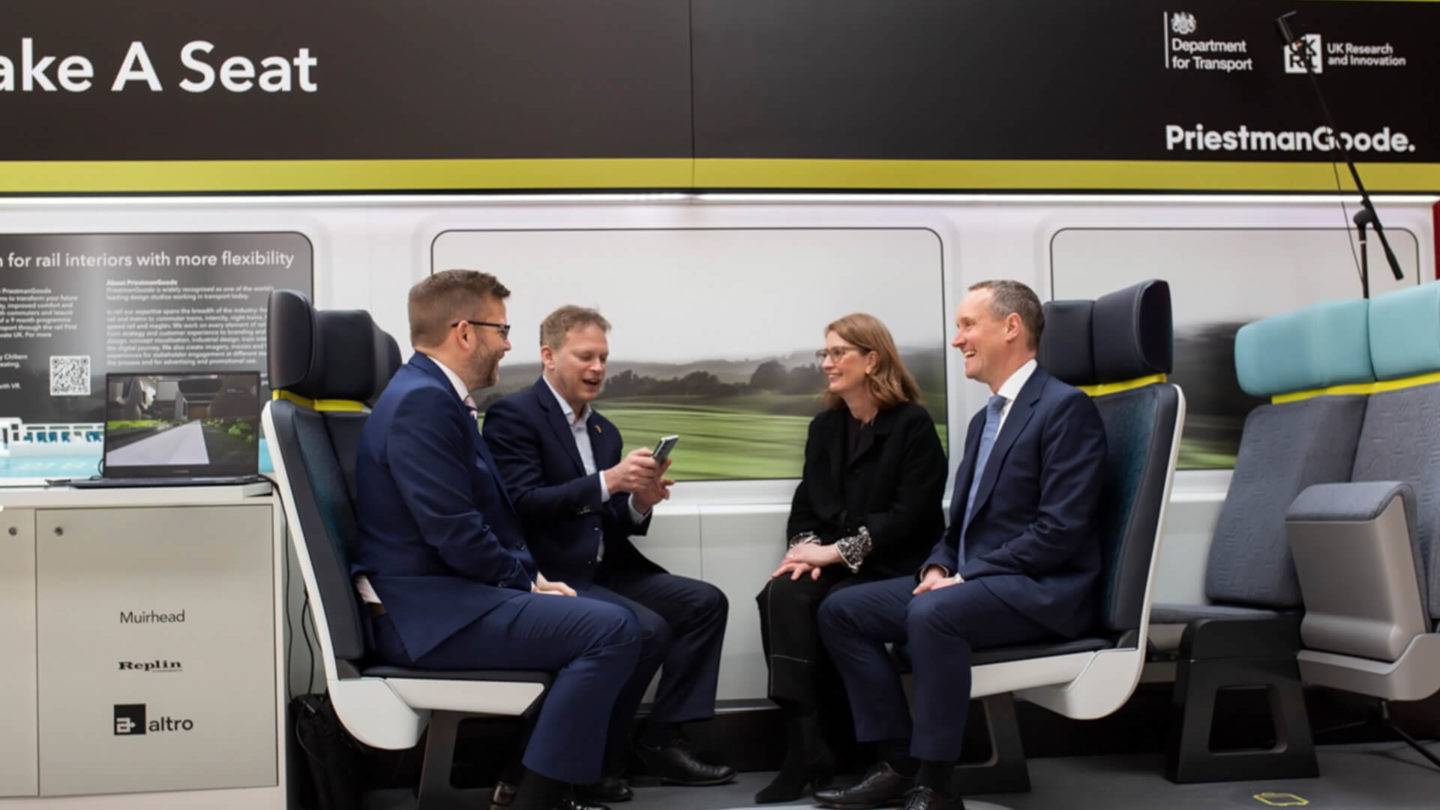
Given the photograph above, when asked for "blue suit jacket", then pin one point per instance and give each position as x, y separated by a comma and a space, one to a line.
560, 505
1032, 536
436, 533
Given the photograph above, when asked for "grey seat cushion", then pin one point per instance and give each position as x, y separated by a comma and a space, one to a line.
1172, 613
1284, 449
1401, 442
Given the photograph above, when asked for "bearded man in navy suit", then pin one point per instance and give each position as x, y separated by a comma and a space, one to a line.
1019, 562
440, 557
581, 502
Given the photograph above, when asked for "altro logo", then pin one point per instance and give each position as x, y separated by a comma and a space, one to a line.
130, 719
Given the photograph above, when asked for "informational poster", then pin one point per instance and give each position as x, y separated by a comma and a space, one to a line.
952, 95
76, 307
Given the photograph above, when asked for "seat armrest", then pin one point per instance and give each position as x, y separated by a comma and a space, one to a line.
1358, 564
1259, 638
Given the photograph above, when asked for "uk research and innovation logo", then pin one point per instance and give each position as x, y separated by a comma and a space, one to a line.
1182, 23
1306, 49
129, 718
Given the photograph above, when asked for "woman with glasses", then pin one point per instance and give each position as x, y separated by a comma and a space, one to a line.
867, 508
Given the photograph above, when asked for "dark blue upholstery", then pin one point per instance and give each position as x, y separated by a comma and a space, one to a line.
326, 355
1120, 336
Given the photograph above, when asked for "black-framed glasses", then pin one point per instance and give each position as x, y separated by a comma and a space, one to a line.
502, 328
836, 353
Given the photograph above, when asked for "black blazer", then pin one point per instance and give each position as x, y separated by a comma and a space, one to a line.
895, 484
559, 504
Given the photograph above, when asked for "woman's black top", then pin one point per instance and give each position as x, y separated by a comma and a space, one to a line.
888, 476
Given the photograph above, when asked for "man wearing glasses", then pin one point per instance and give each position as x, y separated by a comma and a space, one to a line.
440, 557
580, 502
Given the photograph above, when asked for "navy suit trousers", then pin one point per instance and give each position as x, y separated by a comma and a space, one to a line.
941, 628
682, 626
591, 646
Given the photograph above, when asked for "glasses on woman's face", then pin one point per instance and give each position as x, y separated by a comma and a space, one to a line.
835, 353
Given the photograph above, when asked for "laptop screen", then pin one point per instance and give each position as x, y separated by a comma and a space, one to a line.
181, 425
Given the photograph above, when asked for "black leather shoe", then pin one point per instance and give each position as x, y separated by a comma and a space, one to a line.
573, 803
880, 787
924, 798
674, 764
608, 789
502, 796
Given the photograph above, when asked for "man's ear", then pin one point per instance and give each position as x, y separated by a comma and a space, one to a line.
1013, 326
547, 357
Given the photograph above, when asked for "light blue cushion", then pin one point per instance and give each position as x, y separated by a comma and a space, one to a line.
1321, 345
1405, 332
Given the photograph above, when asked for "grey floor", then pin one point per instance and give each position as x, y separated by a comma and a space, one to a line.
1362, 777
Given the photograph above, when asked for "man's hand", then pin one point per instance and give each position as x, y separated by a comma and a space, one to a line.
635, 473
645, 499
796, 570
545, 586
935, 578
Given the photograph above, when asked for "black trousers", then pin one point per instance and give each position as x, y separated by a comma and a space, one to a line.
790, 633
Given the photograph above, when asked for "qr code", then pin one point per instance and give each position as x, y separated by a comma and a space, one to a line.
70, 375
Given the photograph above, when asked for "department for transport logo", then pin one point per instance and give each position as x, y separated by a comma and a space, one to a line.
1307, 49
1182, 23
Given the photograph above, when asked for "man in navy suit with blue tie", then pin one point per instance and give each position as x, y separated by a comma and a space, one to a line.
581, 502
440, 556
1018, 563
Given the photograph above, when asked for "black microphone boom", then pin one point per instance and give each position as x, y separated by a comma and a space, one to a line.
1367, 216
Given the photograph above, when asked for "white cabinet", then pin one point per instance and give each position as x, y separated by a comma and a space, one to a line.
147, 631
19, 774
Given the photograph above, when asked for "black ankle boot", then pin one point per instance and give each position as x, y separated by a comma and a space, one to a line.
808, 764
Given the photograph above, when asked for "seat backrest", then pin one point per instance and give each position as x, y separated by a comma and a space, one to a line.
1118, 348
1400, 439
1287, 445
324, 367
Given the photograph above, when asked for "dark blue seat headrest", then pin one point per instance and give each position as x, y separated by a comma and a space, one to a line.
1119, 336
338, 354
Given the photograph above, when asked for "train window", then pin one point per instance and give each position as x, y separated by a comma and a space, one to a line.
714, 331
1220, 279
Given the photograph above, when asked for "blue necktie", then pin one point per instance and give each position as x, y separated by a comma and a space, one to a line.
993, 409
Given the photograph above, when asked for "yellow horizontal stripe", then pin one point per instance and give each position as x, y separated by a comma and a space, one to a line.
152, 176
1128, 175
321, 405
71, 177
1359, 388
1105, 389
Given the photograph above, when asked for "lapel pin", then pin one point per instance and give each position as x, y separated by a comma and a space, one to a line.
597, 427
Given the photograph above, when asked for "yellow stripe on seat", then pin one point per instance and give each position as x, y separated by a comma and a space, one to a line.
1363, 389
321, 405
1105, 389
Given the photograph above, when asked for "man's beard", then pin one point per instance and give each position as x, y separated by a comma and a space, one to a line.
487, 369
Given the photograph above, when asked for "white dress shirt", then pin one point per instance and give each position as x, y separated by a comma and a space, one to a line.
1010, 389
580, 430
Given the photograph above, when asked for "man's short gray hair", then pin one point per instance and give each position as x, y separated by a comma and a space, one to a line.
1007, 296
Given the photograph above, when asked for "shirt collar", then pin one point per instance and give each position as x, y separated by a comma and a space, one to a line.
570, 417
460, 389
1010, 389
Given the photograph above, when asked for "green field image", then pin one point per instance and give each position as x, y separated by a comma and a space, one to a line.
718, 440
